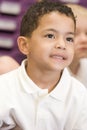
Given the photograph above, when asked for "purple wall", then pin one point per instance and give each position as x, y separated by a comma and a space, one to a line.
11, 12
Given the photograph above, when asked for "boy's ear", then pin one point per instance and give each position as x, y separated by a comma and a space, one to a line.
23, 45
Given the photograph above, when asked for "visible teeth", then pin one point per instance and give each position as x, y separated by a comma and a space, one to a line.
58, 57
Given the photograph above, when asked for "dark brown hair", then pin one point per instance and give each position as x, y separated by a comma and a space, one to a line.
31, 18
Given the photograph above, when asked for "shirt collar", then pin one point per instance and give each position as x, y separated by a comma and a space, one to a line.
26, 83
60, 91
62, 88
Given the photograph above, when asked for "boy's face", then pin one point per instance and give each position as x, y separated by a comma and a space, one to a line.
51, 46
81, 37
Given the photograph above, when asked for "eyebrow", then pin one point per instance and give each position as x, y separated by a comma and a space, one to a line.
53, 30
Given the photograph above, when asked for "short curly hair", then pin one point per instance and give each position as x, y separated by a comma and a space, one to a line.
31, 18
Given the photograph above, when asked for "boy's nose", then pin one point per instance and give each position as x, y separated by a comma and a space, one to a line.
60, 44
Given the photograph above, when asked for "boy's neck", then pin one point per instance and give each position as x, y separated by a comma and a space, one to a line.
45, 80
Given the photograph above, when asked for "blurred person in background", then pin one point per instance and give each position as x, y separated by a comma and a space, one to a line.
78, 67
7, 64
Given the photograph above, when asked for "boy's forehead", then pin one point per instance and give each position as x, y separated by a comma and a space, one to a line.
55, 21
51, 14
54, 15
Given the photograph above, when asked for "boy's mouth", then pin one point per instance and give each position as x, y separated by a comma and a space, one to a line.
58, 56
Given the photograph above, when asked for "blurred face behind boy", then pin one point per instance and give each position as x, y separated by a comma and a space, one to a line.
81, 32
51, 46
81, 37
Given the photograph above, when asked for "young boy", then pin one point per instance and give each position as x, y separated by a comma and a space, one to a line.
40, 94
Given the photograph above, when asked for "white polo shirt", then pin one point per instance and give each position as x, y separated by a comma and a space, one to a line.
24, 104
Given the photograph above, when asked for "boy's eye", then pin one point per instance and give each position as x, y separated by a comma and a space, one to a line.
50, 36
69, 39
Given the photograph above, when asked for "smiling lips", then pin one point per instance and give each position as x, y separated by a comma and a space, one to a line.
59, 56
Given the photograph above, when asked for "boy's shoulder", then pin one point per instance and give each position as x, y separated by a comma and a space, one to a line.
78, 88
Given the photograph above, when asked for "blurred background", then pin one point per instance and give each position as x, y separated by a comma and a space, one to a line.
11, 12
